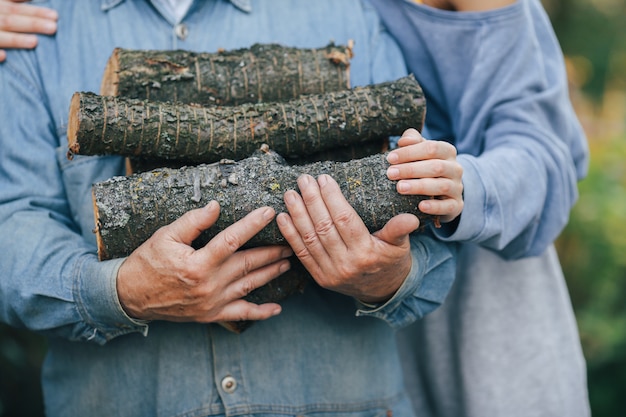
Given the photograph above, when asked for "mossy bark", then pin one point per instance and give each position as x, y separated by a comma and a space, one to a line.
261, 73
128, 210
100, 125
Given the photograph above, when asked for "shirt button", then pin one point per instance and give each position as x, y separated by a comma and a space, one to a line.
229, 384
181, 31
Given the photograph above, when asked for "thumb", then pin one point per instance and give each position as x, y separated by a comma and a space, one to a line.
410, 137
189, 226
396, 231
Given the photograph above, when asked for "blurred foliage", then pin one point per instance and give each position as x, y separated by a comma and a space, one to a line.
592, 34
592, 249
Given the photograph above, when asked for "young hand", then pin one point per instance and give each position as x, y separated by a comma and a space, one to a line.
167, 279
428, 167
335, 246
19, 23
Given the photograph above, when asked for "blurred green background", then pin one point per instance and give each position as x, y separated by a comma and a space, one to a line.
592, 247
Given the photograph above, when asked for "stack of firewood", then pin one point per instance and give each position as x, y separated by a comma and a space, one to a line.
238, 127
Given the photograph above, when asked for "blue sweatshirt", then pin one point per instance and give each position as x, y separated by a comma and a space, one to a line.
496, 88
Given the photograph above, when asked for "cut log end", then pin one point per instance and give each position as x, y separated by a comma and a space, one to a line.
102, 253
73, 125
110, 79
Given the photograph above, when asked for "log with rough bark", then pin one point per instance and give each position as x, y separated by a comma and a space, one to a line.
341, 154
128, 210
263, 72
100, 125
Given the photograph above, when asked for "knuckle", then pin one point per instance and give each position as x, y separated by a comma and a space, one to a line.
413, 171
449, 148
310, 238
458, 170
344, 272
302, 253
310, 198
193, 273
247, 264
246, 286
431, 148
324, 227
438, 168
244, 315
231, 241
445, 187
344, 217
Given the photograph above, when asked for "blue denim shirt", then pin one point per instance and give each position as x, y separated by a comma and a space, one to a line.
325, 354
508, 113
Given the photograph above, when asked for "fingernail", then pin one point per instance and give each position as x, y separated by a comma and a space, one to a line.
287, 252
393, 173
411, 133
322, 180
211, 205
403, 187
276, 311
50, 14
281, 219
30, 41
268, 213
304, 179
290, 198
49, 27
393, 158
284, 267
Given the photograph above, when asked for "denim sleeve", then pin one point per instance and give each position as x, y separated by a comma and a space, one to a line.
425, 288
51, 280
387, 61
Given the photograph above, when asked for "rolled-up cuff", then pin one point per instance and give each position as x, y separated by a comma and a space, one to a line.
425, 288
98, 302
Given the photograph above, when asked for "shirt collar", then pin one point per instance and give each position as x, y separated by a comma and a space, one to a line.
243, 5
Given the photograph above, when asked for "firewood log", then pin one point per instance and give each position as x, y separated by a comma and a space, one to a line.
100, 125
261, 73
128, 210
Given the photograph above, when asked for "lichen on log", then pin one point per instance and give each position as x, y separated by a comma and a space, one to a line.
100, 125
128, 210
263, 72
340, 154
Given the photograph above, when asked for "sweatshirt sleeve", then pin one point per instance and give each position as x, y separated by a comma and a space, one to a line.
496, 87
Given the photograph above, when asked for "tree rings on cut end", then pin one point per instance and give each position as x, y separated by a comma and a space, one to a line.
73, 125
110, 79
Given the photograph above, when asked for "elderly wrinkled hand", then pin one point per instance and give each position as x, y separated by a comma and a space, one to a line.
167, 279
335, 246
